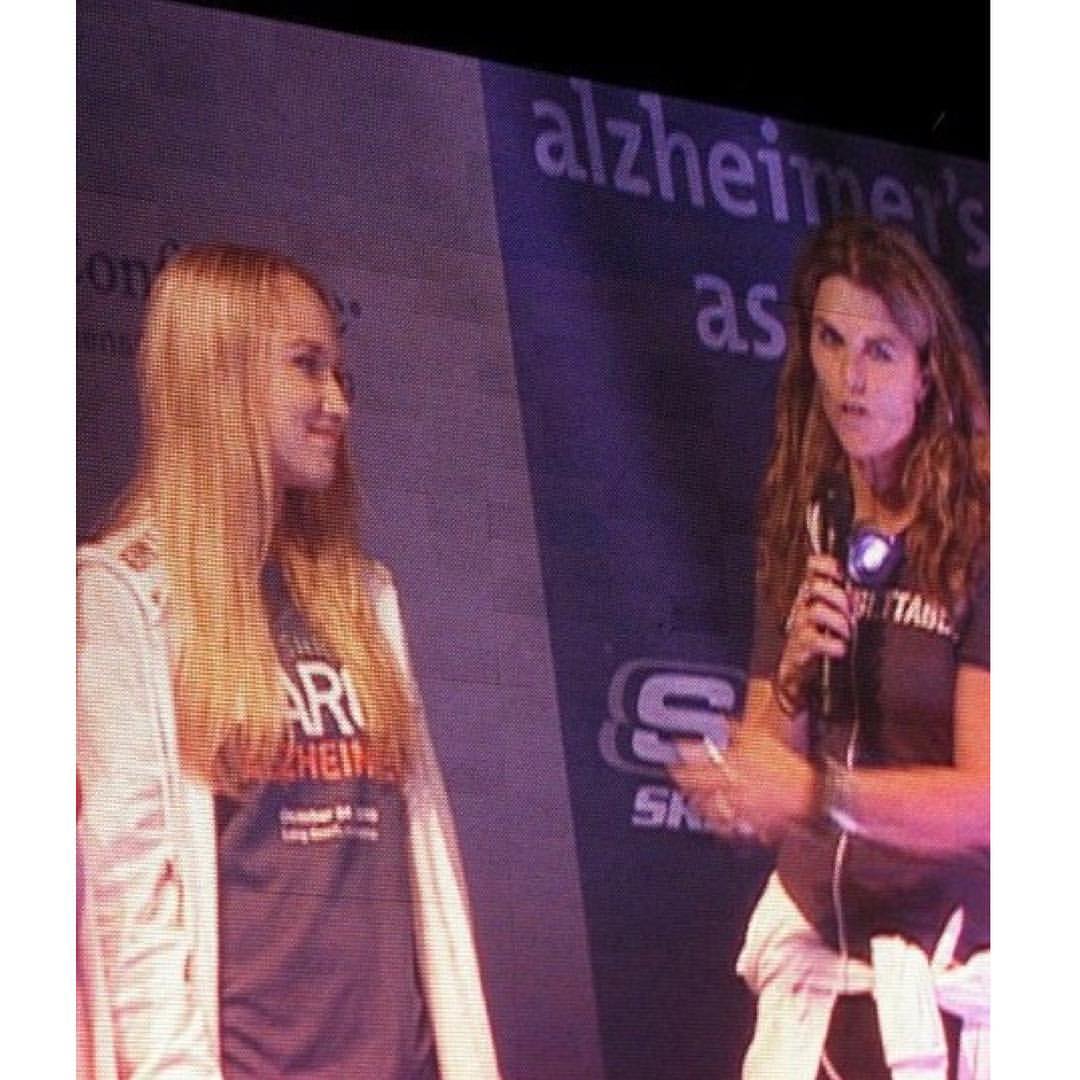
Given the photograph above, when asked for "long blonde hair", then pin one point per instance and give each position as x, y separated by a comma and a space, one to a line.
946, 474
203, 480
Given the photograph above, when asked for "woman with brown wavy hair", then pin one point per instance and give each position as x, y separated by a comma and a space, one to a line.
864, 746
272, 884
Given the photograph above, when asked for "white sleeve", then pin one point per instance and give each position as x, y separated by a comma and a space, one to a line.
446, 949
141, 921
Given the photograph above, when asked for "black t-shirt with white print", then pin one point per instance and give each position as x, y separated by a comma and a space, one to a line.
899, 680
318, 973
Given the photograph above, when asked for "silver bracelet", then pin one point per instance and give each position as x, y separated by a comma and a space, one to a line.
837, 797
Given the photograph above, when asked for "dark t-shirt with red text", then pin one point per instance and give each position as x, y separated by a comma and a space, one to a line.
318, 974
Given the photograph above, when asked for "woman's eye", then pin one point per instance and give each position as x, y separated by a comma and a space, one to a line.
827, 335
308, 363
881, 352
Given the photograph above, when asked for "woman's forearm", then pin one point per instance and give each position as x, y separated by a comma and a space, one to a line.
926, 810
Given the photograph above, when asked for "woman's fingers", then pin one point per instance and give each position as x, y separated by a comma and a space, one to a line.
811, 640
824, 616
820, 621
704, 783
824, 566
820, 589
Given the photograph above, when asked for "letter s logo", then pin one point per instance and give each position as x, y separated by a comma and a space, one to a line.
653, 702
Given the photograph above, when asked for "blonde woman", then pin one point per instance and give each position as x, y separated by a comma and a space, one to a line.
272, 884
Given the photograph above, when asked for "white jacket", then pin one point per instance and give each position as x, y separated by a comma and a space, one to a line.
148, 948
797, 979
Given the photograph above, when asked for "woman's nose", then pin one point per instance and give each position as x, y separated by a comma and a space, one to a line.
854, 366
335, 398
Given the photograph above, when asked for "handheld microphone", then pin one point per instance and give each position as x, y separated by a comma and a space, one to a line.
836, 512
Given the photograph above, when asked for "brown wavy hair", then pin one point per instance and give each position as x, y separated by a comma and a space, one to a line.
945, 478
203, 482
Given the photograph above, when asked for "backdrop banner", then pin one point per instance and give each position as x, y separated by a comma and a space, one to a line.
647, 246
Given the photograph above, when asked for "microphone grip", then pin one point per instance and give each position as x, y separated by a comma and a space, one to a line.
834, 500
832, 547
826, 687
